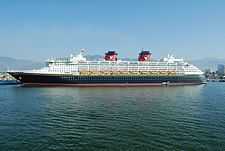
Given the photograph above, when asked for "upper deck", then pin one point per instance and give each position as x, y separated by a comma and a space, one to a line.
169, 65
79, 65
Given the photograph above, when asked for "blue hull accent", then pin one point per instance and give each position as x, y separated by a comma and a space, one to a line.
9, 82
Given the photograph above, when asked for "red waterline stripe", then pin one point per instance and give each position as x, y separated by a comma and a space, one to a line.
107, 84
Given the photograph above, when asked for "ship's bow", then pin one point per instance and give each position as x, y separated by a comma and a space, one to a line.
16, 75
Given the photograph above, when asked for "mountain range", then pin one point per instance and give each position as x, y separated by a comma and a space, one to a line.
7, 63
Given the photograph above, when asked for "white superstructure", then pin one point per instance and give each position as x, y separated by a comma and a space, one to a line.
78, 64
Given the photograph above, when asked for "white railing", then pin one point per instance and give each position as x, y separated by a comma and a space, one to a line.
110, 67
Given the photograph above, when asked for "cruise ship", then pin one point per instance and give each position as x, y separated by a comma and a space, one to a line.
111, 71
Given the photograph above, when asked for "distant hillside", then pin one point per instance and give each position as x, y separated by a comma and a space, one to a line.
208, 63
94, 57
7, 63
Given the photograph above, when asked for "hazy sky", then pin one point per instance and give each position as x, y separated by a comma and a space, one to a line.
40, 29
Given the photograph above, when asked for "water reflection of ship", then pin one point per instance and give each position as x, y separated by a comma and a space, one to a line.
77, 71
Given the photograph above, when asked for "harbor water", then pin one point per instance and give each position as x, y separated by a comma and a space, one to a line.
112, 118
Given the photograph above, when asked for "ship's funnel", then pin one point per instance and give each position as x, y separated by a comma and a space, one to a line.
144, 56
111, 56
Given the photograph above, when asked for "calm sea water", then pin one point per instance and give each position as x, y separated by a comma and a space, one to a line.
148, 118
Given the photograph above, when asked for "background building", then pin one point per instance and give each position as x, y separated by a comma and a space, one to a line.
221, 69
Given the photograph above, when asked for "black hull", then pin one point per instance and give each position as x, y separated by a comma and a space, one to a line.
76, 80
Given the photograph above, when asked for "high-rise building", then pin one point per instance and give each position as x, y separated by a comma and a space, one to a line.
221, 69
